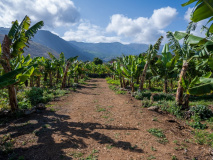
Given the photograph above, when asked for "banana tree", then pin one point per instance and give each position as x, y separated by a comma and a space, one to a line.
203, 10
68, 63
194, 47
165, 65
13, 46
151, 53
131, 69
59, 64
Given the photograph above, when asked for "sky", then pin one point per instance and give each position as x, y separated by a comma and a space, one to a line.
94, 21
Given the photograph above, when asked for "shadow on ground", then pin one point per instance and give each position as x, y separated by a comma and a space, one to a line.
48, 134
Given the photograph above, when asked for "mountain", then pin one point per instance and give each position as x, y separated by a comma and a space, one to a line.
58, 44
36, 49
45, 41
107, 51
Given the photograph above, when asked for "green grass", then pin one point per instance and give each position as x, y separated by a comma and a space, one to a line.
121, 92
156, 132
100, 109
114, 88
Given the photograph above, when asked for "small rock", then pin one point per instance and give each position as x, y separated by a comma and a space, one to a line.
56, 99
41, 106
153, 108
28, 112
211, 152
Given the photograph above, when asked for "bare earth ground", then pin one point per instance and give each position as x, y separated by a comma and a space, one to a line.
95, 121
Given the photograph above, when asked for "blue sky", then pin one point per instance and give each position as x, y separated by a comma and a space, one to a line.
125, 21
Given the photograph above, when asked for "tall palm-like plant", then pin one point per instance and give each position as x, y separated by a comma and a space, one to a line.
68, 63
165, 65
203, 10
13, 46
151, 53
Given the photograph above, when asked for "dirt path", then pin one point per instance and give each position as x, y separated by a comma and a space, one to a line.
95, 122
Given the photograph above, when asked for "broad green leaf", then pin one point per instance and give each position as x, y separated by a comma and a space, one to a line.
203, 11
187, 3
201, 89
26, 75
6, 83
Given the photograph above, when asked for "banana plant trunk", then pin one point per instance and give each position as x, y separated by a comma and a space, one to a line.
165, 85
121, 83
38, 81
12, 98
31, 81
58, 76
51, 79
171, 84
5, 56
124, 83
65, 76
150, 84
179, 93
143, 77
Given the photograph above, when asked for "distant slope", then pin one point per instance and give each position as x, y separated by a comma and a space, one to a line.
36, 49
58, 44
45, 41
107, 51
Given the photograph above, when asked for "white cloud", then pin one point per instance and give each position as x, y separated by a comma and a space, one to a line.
54, 13
163, 17
142, 29
200, 24
87, 32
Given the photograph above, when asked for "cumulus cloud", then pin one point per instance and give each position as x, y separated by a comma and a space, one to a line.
200, 24
142, 29
87, 32
54, 13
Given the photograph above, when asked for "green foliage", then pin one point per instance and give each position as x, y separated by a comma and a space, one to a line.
202, 111
156, 132
203, 137
97, 61
114, 82
114, 88
146, 102
140, 95
35, 95
173, 108
197, 125
120, 92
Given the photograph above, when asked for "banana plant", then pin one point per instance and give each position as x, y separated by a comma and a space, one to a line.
194, 47
59, 64
199, 85
131, 69
165, 65
203, 10
68, 63
13, 46
150, 54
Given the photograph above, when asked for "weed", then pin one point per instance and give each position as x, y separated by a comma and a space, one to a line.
155, 119
106, 117
117, 135
153, 149
151, 157
175, 141
203, 137
114, 88
109, 146
146, 102
174, 157
120, 92
156, 132
77, 154
99, 109
162, 141
202, 111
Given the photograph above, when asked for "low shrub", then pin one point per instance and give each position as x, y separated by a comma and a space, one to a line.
203, 111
